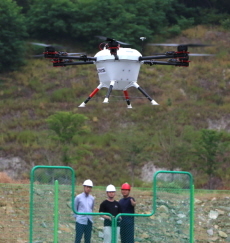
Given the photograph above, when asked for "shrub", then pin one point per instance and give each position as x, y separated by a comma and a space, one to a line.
62, 95
26, 137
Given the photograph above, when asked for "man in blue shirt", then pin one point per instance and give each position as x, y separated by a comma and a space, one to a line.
127, 206
84, 203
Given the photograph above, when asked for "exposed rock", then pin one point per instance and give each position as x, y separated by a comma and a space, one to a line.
222, 234
213, 214
210, 232
149, 169
221, 124
14, 167
197, 201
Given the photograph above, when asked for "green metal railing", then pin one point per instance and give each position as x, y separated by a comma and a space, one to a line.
15, 214
186, 181
48, 184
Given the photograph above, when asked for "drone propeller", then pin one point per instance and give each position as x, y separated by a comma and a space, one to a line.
40, 55
66, 54
190, 54
110, 40
172, 44
55, 47
201, 55
47, 45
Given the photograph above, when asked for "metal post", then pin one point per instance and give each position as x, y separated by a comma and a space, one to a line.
56, 211
192, 215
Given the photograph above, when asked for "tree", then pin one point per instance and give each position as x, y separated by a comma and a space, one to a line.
127, 20
12, 33
123, 20
66, 125
50, 19
135, 147
209, 148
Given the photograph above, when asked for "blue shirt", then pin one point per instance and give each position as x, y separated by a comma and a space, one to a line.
127, 207
84, 203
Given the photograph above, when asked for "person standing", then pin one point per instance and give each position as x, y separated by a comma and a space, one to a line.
127, 206
113, 207
84, 203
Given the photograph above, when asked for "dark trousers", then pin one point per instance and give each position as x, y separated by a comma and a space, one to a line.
127, 233
85, 229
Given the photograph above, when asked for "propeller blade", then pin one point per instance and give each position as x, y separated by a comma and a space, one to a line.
110, 39
40, 55
123, 43
77, 53
40, 44
172, 44
47, 45
190, 54
101, 37
201, 55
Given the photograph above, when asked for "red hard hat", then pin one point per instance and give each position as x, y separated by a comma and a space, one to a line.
126, 186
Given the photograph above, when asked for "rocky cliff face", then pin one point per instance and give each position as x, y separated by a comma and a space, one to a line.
14, 167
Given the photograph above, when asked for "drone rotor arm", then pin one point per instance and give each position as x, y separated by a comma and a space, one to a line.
170, 54
83, 58
153, 102
60, 63
172, 62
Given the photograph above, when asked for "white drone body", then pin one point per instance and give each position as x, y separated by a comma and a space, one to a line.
118, 74
124, 72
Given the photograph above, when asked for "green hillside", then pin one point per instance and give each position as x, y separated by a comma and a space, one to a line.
114, 143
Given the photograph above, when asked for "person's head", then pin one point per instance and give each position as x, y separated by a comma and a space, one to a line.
111, 191
125, 189
88, 184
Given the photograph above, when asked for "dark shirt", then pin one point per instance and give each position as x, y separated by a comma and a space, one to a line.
127, 207
113, 208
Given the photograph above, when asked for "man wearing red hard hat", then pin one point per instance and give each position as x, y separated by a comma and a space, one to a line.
128, 206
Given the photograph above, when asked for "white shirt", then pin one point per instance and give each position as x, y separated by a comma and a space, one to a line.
83, 203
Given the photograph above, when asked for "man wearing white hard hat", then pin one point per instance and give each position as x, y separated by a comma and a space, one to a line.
84, 203
113, 207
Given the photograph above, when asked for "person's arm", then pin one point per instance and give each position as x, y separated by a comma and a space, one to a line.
76, 203
106, 217
93, 204
102, 210
120, 210
133, 202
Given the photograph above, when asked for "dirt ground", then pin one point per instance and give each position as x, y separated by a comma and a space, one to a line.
15, 207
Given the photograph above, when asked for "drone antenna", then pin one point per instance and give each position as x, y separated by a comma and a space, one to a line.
142, 44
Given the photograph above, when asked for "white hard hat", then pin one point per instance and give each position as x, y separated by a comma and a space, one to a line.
88, 183
110, 188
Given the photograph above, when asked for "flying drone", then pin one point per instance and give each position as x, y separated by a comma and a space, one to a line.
118, 67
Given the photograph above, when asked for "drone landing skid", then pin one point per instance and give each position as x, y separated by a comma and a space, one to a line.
90, 96
127, 99
153, 102
106, 100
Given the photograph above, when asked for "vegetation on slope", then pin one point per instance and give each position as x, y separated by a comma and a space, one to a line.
116, 142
